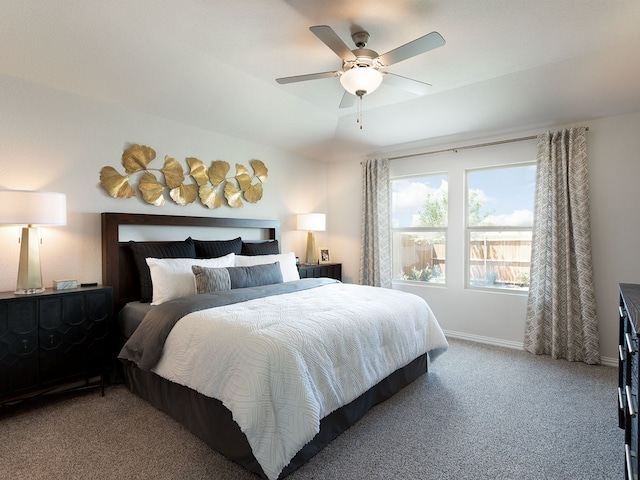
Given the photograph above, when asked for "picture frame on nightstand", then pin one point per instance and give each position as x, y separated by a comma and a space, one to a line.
324, 255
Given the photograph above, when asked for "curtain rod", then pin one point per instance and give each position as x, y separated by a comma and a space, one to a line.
466, 147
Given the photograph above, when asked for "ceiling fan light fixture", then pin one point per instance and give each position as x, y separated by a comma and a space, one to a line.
361, 80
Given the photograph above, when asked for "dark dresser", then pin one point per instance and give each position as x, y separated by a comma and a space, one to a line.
628, 379
330, 270
52, 339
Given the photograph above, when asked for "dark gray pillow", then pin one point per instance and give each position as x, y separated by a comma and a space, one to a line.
255, 275
143, 250
219, 279
217, 248
269, 247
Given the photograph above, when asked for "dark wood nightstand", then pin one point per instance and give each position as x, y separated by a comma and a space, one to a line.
52, 339
330, 270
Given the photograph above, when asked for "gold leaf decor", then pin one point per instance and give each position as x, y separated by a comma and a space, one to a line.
243, 177
218, 172
198, 171
137, 158
209, 197
212, 186
172, 171
151, 189
260, 170
184, 194
253, 193
117, 185
232, 194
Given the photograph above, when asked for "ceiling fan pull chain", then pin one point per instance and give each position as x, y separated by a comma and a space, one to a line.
360, 94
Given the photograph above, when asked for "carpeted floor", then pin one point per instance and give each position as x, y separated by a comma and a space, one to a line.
482, 412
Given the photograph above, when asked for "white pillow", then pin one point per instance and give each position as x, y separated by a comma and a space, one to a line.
172, 277
287, 263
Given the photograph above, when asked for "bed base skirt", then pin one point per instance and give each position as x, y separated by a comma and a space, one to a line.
212, 422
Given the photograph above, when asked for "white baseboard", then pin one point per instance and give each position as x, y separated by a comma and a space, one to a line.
607, 361
488, 340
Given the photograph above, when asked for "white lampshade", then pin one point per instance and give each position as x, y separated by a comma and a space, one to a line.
361, 80
21, 207
312, 222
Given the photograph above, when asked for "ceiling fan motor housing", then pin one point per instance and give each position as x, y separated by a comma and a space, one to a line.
360, 39
364, 58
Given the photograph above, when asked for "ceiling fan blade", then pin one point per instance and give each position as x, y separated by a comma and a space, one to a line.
304, 78
408, 84
416, 47
347, 100
333, 41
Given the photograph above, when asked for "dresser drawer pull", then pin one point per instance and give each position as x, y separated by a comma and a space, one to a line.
620, 399
621, 353
621, 310
629, 341
630, 403
628, 456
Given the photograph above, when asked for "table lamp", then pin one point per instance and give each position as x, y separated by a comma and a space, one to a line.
20, 207
311, 222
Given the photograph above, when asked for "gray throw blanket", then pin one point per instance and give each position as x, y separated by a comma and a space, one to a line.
145, 346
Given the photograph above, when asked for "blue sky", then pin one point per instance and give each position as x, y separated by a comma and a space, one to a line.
507, 194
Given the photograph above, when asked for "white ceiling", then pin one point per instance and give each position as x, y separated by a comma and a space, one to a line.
507, 65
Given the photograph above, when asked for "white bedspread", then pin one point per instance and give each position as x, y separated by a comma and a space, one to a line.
282, 363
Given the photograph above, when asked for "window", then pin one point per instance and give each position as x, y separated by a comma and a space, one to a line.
419, 210
499, 211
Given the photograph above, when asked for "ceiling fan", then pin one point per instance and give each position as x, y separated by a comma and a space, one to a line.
362, 69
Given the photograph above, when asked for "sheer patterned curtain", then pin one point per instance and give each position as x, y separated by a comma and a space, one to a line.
561, 309
375, 253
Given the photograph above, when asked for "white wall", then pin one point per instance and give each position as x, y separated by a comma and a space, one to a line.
614, 162
54, 141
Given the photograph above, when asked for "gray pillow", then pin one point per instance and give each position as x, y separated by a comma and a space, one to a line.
209, 279
255, 275
219, 279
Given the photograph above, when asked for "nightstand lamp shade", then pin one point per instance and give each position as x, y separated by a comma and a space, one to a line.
19, 207
312, 222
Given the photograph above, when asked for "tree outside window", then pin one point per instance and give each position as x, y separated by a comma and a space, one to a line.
419, 228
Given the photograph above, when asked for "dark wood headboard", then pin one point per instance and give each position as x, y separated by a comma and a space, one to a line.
118, 268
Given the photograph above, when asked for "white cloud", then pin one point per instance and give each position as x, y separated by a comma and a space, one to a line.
411, 195
518, 218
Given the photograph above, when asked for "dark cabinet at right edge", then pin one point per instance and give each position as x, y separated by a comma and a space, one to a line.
628, 343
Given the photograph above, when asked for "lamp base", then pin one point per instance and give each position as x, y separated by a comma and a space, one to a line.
312, 256
29, 291
29, 272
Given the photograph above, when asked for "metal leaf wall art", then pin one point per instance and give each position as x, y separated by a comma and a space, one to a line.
211, 185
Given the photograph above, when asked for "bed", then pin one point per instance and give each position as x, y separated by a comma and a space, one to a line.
303, 376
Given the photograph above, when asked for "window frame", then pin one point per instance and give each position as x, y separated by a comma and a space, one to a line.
469, 230
418, 230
